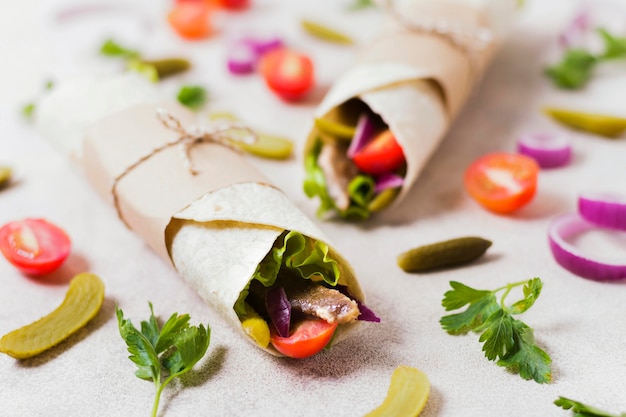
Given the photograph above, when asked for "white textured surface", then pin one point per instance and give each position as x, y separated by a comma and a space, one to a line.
580, 323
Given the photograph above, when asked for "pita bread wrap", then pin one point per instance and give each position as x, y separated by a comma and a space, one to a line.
412, 79
217, 226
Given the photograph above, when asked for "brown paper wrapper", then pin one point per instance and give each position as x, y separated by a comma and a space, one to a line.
215, 226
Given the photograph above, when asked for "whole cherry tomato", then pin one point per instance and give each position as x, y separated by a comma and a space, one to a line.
287, 73
191, 19
34, 246
502, 182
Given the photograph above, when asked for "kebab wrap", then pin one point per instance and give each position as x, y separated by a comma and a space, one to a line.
380, 122
236, 239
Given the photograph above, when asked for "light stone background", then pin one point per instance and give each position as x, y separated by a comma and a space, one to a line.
580, 323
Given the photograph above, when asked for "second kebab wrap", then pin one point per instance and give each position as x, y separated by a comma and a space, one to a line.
380, 122
237, 240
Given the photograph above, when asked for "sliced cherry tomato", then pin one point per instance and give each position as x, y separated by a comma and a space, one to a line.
34, 246
382, 154
502, 182
191, 19
305, 339
287, 73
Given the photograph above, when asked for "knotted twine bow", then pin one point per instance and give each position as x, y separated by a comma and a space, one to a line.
221, 134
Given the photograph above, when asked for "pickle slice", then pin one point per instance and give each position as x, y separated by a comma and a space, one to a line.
407, 395
451, 252
600, 124
82, 302
5, 176
255, 327
325, 33
335, 129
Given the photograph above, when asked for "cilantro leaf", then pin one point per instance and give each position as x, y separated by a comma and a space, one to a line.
526, 357
192, 96
532, 289
361, 4
505, 339
583, 410
113, 49
163, 353
576, 67
614, 47
498, 335
574, 70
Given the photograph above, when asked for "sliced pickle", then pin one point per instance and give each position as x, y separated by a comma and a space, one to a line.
600, 124
407, 395
82, 302
255, 327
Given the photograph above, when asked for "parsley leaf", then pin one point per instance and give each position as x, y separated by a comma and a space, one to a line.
583, 410
361, 4
163, 353
192, 96
506, 340
576, 67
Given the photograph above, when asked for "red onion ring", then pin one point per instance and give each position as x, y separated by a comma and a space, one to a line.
550, 151
241, 59
603, 209
570, 258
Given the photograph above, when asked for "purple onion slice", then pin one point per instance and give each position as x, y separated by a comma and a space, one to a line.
388, 180
606, 210
279, 310
549, 150
571, 258
362, 135
241, 59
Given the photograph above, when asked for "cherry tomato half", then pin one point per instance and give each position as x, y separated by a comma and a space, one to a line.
305, 339
34, 246
287, 73
502, 182
234, 4
191, 19
382, 154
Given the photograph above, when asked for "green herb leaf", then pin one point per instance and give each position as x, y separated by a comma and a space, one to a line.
361, 4
583, 410
526, 357
192, 96
532, 289
162, 354
614, 47
113, 49
28, 111
574, 70
576, 67
505, 339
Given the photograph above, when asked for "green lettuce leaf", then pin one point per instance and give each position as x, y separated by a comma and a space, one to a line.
296, 254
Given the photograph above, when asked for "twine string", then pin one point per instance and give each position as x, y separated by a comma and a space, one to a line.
188, 137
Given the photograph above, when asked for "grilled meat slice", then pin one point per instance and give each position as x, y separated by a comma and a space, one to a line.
339, 170
328, 304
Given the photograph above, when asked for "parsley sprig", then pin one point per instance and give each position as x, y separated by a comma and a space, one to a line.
583, 410
576, 66
163, 353
506, 339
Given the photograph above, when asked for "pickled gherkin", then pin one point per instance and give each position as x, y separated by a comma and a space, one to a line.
407, 395
82, 302
448, 253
